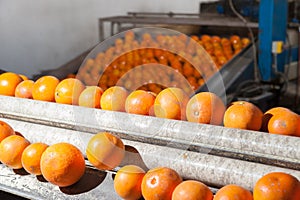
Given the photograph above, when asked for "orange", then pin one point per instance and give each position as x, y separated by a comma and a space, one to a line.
24, 89
280, 120
192, 190
171, 103
233, 192
11, 149
5, 130
114, 99
159, 183
277, 186
90, 97
43, 88
127, 182
8, 83
245, 41
31, 157
68, 91
62, 164
243, 115
205, 107
269, 114
205, 38
285, 124
105, 151
139, 102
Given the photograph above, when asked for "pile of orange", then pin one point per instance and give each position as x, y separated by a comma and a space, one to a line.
46, 88
134, 182
170, 103
61, 164
155, 62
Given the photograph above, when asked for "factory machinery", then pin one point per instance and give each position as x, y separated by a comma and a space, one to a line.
212, 154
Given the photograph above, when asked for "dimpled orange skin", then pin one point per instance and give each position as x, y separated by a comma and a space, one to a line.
5, 130
105, 151
233, 192
243, 115
90, 97
62, 164
139, 102
159, 183
114, 99
24, 89
11, 149
205, 107
285, 123
31, 157
171, 103
127, 182
269, 114
192, 190
68, 91
8, 83
43, 88
277, 186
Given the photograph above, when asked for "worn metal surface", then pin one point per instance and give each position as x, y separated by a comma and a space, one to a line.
215, 140
213, 170
199, 20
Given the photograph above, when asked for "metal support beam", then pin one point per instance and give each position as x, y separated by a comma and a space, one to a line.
272, 27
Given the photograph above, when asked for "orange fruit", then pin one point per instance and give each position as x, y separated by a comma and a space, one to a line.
11, 149
192, 190
277, 186
205, 107
105, 151
171, 103
62, 164
139, 102
245, 41
243, 115
5, 130
8, 83
127, 182
90, 97
233, 192
159, 183
24, 89
31, 157
114, 99
280, 120
43, 88
68, 91
270, 113
285, 124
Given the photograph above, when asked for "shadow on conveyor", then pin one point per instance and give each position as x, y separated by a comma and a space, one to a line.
21, 172
133, 157
9, 196
94, 177
90, 180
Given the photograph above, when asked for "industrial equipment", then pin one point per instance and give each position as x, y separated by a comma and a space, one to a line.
213, 154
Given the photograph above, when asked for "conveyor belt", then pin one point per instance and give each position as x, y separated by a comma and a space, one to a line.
212, 154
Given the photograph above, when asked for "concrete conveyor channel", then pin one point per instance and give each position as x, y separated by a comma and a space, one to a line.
212, 154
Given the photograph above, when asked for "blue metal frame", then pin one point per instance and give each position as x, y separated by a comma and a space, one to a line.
272, 27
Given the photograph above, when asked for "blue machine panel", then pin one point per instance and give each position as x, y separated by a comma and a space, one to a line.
272, 27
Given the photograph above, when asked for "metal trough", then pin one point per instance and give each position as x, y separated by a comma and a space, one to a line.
212, 154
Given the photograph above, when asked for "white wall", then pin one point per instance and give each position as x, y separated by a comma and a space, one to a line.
37, 35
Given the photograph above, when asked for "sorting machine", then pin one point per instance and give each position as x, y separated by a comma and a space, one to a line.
212, 154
